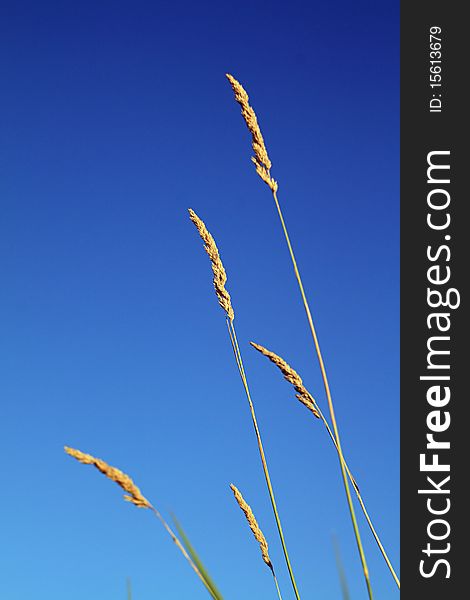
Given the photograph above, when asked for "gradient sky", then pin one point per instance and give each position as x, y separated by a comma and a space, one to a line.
115, 117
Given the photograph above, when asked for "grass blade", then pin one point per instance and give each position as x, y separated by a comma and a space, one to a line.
197, 561
341, 572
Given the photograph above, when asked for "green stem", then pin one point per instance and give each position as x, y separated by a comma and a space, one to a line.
360, 499
238, 358
329, 398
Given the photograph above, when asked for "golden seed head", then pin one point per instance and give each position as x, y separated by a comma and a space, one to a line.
220, 276
253, 523
133, 494
303, 395
261, 158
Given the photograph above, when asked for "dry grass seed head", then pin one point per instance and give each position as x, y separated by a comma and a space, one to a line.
133, 494
261, 158
303, 395
253, 523
220, 276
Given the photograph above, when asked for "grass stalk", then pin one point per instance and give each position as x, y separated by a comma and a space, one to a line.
360, 500
241, 369
277, 586
329, 398
219, 281
304, 396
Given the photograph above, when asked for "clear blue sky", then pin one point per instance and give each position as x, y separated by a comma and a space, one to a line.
115, 117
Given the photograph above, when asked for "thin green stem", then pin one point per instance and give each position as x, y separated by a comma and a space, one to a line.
360, 499
239, 360
329, 398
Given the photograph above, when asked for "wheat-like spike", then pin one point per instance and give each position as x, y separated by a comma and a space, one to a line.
133, 494
261, 158
303, 395
220, 276
253, 523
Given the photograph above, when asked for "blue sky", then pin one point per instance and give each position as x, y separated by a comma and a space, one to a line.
115, 118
